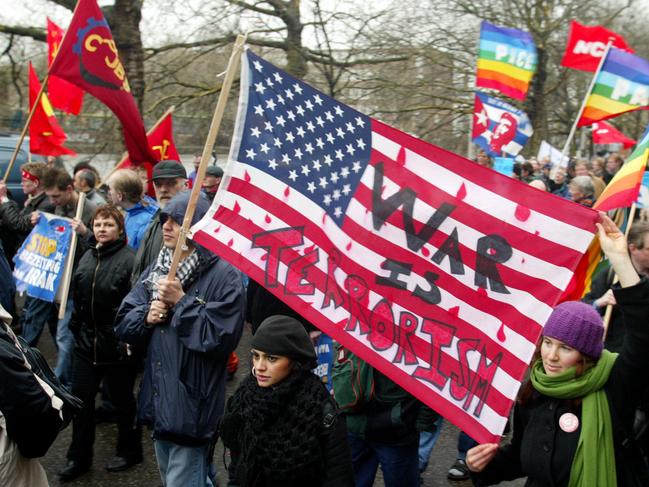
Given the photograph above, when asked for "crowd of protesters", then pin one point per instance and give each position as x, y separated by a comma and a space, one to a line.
579, 180
285, 425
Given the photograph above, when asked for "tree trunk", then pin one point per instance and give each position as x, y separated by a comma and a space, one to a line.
124, 19
296, 63
535, 105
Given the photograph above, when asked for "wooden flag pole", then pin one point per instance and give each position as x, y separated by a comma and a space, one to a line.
233, 66
609, 307
566, 147
25, 127
33, 109
69, 263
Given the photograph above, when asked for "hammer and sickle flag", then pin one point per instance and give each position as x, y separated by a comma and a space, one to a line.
88, 58
161, 142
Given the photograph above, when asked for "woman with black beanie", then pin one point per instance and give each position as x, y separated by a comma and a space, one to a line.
281, 425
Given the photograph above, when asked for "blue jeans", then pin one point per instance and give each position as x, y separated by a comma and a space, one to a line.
183, 466
427, 442
36, 313
65, 344
464, 444
398, 463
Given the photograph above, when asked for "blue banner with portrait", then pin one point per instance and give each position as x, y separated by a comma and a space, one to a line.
40, 262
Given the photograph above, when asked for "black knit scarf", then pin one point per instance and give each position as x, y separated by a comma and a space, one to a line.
274, 432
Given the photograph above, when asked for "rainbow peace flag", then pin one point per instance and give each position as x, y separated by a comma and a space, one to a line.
507, 60
621, 86
623, 189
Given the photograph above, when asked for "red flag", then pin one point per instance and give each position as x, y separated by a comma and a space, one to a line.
586, 46
161, 142
46, 137
412, 257
88, 58
63, 95
605, 133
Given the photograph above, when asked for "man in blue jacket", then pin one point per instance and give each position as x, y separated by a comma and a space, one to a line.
190, 325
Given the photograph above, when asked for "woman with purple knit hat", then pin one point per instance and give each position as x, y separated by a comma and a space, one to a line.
573, 421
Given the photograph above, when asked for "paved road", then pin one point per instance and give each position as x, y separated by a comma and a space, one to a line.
146, 473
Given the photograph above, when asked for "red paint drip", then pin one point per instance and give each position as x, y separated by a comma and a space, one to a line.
324, 217
501, 333
401, 157
264, 257
522, 260
348, 246
461, 193
236, 208
522, 213
482, 291
217, 229
425, 252
231, 242
267, 219
246, 176
455, 310
287, 191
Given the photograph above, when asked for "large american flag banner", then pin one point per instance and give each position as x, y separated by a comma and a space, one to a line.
437, 271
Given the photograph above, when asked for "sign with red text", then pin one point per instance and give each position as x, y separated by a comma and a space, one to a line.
438, 272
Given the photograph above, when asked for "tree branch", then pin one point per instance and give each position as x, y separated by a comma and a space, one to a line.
33, 32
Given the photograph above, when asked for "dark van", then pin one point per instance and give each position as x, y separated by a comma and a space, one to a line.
7, 147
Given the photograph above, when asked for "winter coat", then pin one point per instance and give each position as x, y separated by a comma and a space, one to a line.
149, 248
307, 440
183, 388
16, 223
137, 221
29, 421
602, 282
391, 417
543, 452
18, 219
99, 284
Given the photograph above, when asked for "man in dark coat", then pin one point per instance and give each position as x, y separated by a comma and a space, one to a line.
169, 178
15, 223
190, 324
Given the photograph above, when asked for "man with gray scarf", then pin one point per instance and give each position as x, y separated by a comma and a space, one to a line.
190, 325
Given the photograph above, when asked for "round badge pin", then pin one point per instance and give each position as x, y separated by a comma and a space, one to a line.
568, 422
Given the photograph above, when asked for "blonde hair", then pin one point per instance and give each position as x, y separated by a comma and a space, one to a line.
127, 182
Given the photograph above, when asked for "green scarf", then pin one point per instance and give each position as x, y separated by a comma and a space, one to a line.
594, 462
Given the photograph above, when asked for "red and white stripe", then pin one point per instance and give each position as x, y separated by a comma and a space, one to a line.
547, 235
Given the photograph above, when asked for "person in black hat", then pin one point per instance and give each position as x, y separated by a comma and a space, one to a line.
212, 180
169, 178
281, 425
